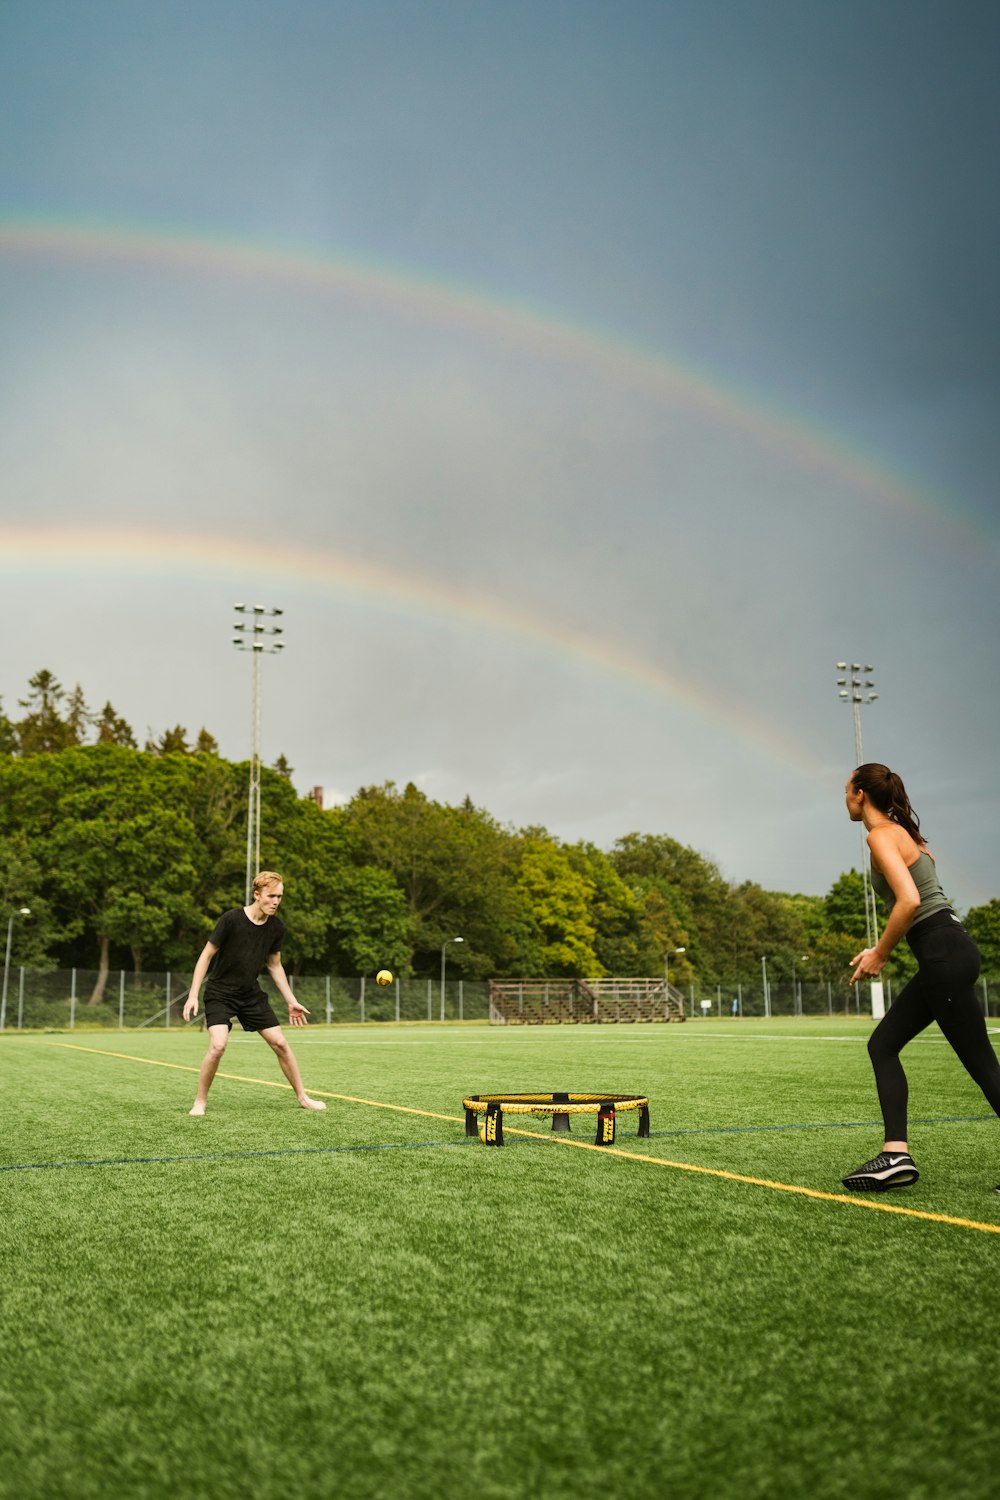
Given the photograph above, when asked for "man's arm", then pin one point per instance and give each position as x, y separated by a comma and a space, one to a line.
296, 1013
200, 970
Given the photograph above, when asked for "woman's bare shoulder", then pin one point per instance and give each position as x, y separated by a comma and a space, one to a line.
887, 840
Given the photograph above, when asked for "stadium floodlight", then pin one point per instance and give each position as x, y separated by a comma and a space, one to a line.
19, 911
858, 690
267, 646
444, 949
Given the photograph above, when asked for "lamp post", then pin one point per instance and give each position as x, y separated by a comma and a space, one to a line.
767, 992
257, 638
666, 977
20, 911
444, 949
797, 988
856, 684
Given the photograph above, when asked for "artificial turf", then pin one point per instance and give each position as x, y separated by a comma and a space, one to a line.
271, 1303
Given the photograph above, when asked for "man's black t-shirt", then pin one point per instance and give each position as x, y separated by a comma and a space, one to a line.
243, 951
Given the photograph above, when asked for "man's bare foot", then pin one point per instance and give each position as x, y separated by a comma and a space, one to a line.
197, 1108
308, 1103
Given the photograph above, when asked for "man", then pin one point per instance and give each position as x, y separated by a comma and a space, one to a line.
244, 940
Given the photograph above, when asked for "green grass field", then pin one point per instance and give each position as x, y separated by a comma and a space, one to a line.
271, 1303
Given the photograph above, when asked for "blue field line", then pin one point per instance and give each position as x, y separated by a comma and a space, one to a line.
821, 1125
134, 1161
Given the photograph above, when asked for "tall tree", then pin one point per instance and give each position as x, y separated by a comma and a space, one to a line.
845, 905
623, 941
983, 925
171, 742
22, 883
8, 735
451, 865
665, 931
560, 898
112, 729
116, 847
690, 885
78, 718
43, 730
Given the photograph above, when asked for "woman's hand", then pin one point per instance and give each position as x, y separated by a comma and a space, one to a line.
867, 964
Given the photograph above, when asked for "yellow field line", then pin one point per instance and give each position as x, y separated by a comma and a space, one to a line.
267, 1083
779, 1187
851, 1200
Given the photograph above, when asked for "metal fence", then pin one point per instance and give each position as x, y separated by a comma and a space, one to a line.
64, 999
798, 998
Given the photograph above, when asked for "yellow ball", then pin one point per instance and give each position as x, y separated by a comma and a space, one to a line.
383, 977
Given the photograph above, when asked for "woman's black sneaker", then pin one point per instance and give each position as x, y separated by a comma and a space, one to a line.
890, 1169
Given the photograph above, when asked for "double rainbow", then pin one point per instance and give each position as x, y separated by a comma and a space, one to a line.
434, 302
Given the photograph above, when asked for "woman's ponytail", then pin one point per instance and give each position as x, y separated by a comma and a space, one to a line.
886, 790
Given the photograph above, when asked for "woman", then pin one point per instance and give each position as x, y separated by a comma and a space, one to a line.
943, 988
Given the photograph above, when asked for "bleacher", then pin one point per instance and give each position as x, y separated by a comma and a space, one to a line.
557, 1002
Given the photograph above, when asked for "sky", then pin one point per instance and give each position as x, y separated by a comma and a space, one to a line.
582, 380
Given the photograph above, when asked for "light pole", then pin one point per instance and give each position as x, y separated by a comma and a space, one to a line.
767, 992
257, 638
444, 949
797, 988
856, 689
666, 977
20, 911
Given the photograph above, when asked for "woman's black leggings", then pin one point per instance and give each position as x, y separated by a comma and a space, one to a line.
942, 990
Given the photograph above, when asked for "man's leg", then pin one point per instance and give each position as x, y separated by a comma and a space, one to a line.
275, 1039
218, 1036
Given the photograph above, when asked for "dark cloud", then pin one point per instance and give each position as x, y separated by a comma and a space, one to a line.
786, 209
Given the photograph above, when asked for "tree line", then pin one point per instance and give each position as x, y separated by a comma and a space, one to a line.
127, 855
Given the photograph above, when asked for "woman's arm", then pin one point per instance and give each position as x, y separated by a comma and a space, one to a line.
869, 963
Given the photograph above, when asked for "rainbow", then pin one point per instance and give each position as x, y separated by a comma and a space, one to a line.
516, 324
74, 553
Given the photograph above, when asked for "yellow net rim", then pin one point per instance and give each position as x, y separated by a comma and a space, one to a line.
545, 1104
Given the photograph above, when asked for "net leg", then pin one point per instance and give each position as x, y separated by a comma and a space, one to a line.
606, 1124
494, 1125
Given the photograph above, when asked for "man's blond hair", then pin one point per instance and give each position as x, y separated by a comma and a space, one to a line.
266, 878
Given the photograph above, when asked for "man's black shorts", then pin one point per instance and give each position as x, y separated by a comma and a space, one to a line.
251, 1008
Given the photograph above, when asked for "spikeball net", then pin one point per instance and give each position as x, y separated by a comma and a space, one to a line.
493, 1107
